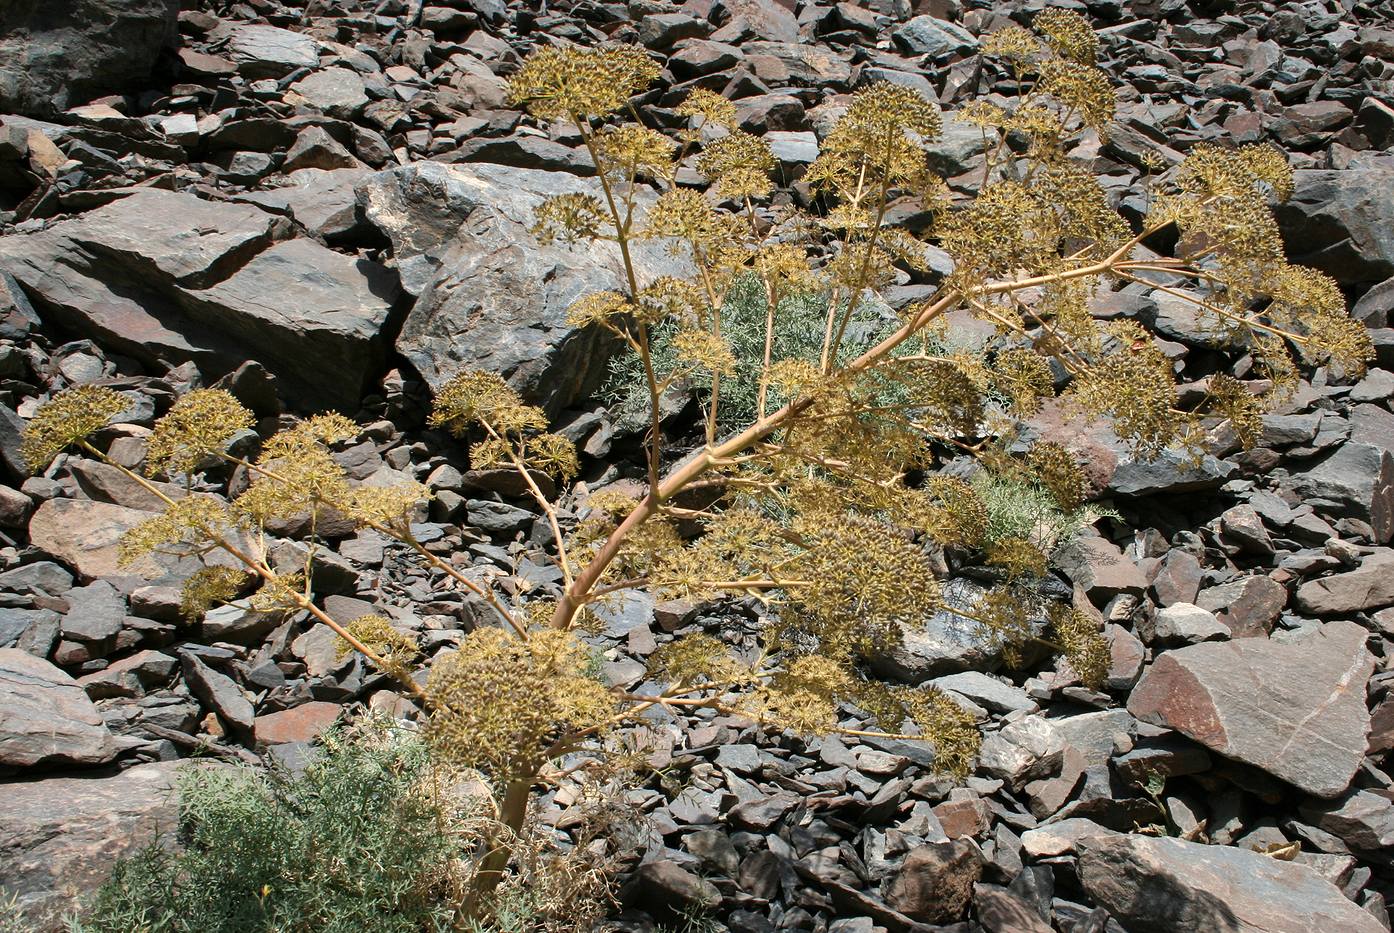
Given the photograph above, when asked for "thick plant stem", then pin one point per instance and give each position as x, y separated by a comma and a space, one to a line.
513, 812
579, 593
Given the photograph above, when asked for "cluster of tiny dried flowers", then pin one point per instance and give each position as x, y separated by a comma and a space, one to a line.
516, 432
566, 82
500, 699
66, 419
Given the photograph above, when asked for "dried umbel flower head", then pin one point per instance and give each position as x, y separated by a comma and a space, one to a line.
197, 426
570, 217
739, 164
208, 587
395, 649
477, 397
296, 475
499, 700
570, 83
710, 106
878, 145
191, 525
1085, 648
1068, 34
67, 418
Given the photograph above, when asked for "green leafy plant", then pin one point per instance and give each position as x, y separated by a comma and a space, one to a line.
370, 837
1021, 510
821, 505
360, 840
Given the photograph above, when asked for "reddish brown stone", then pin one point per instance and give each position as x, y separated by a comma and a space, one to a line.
300, 724
1295, 709
964, 817
1248, 607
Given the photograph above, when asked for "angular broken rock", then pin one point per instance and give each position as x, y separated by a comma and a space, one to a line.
61, 835
1296, 709
45, 717
935, 883
163, 275
52, 59
491, 295
1369, 586
219, 693
1156, 885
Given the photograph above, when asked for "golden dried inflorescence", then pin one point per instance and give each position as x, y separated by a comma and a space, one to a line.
198, 426
568, 82
500, 700
68, 418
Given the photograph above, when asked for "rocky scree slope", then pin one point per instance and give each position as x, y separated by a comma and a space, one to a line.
328, 205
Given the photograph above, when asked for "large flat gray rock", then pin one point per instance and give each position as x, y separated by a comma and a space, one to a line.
61, 835
490, 295
166, 276
1160, 885
45, 717
1296, 708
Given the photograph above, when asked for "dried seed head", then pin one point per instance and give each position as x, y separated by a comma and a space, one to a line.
209, 587
571, 82
67, 418
1068, 34
710, 106
739, 164
197, 426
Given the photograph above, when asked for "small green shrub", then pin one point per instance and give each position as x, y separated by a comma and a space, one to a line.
358, 842
797, 334
12, 916
1024, 511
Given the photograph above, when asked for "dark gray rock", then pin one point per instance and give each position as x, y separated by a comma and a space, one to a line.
219, 693
53, 57
1369, 586
1342, 222
1155, 885
161, 275
925, 35
95, 612
45, 717
1362, 819
667, 891
1357, 480
268, 51
490, 295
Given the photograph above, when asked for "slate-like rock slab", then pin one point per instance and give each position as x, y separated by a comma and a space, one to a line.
1369, 586
1156, 885
165, 277
60, 835
56, 55
491, 296
83, 534
1296, 708
45, 717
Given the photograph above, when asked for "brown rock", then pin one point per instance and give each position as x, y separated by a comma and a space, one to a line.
61, 835
83, 534
1369, 586
963, 816
45, 717
1248, 607
935, 883
1295, 709
1178, 578
1153, 885
1097, 564
300, 724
